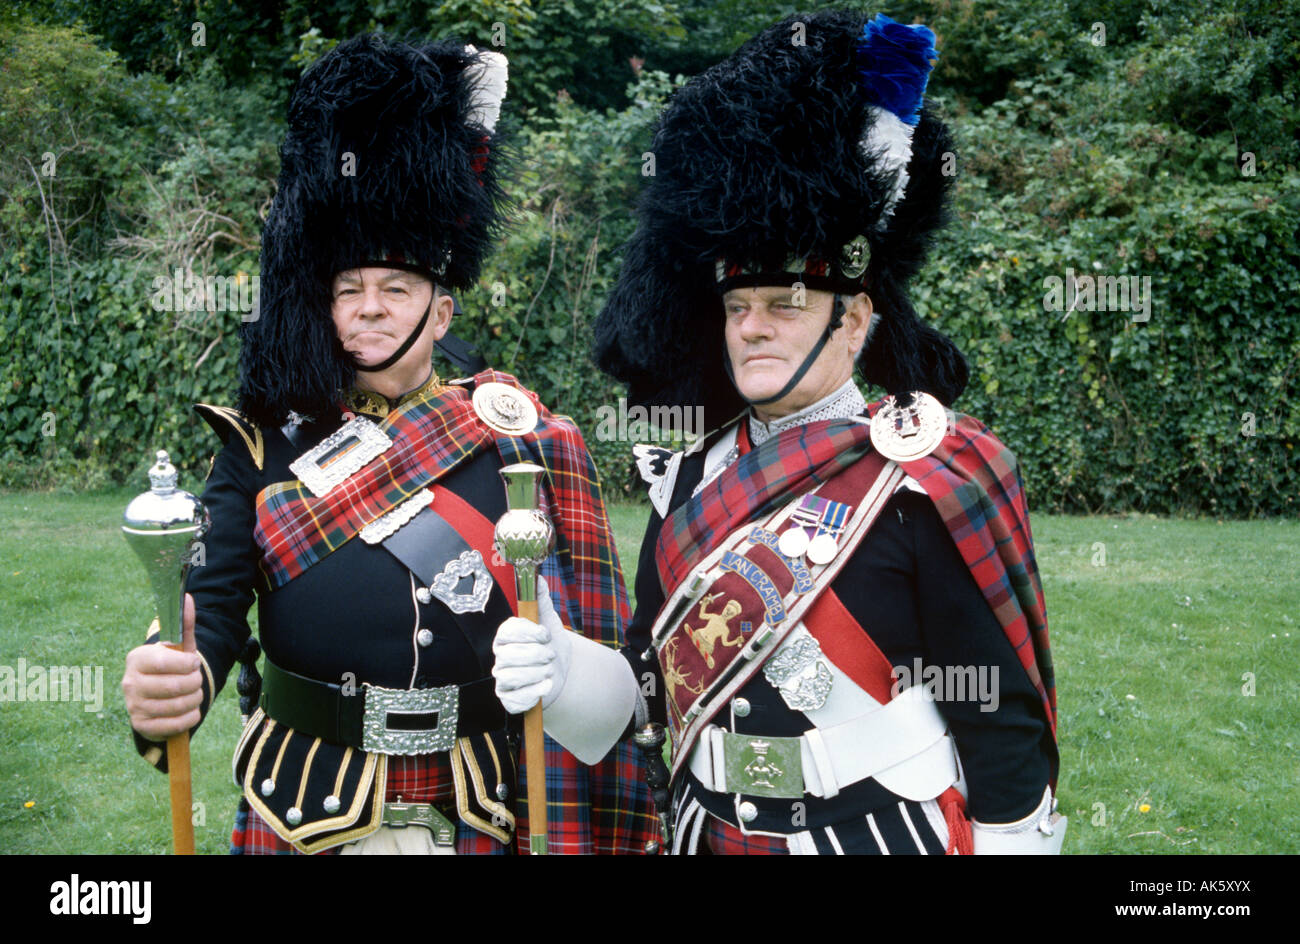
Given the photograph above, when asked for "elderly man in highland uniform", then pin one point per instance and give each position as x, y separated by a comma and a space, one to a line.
356, 493
838, 609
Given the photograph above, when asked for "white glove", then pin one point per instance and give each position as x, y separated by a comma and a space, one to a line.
532, 659
587, 690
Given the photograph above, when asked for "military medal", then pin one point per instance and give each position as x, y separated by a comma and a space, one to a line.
826, 544
826, 518
505, 409
793, 542
906, 433
823, 549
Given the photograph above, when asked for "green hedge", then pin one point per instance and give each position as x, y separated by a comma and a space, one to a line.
1085, 170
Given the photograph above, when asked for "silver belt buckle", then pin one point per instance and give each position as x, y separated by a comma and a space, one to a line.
389, 724
399, 815
763, 766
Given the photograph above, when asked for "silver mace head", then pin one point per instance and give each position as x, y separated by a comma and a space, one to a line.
524, 536
162, 526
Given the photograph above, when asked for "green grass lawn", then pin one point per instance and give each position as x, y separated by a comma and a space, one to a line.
1161, 751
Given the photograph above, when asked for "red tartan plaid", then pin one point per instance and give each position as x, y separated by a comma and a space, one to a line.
725, 839
606, 808
971, 476
758, 482
974, 482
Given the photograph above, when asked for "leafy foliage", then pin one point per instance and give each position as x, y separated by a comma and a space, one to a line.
1161, 147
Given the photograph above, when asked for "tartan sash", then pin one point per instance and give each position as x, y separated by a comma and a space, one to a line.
711, 644
431, 435
755, 485
972, 478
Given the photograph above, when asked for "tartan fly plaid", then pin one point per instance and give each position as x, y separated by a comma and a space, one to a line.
604, 808
975, 483
972, 478
431, 435
757, 483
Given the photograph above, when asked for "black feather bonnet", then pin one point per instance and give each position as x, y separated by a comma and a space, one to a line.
388, 160
779, 164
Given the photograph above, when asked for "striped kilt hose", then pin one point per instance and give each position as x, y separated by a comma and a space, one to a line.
906, 828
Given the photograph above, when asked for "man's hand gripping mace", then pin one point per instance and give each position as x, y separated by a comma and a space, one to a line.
524, 537
162, 526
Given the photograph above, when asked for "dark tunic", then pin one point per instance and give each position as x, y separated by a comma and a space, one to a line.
909, 589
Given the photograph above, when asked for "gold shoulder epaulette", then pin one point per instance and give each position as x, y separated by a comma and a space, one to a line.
224, 420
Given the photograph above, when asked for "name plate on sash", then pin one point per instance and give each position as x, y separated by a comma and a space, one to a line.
745, 597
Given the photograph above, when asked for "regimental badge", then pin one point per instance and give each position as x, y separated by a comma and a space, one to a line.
855, 257
906, 433
505, 409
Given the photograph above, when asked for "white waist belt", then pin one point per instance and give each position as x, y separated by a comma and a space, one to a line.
903, 744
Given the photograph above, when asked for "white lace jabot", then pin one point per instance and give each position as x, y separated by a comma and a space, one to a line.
844, 403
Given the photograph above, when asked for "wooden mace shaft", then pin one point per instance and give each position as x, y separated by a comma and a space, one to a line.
178, 773
182, 794
535, 759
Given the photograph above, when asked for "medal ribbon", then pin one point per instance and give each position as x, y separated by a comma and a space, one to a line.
759, 482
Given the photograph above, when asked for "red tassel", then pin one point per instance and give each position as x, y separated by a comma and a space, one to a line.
953, 805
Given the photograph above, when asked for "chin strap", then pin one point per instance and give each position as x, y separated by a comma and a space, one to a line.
837, 319
405, 346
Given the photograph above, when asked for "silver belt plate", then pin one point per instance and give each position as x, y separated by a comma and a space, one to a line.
389, 723
763, 766
400, 815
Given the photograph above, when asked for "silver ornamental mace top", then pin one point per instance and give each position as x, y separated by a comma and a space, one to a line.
524, 536
162, 526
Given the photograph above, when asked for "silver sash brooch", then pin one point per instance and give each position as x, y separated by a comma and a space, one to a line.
468, 564
343, 452
799, 672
